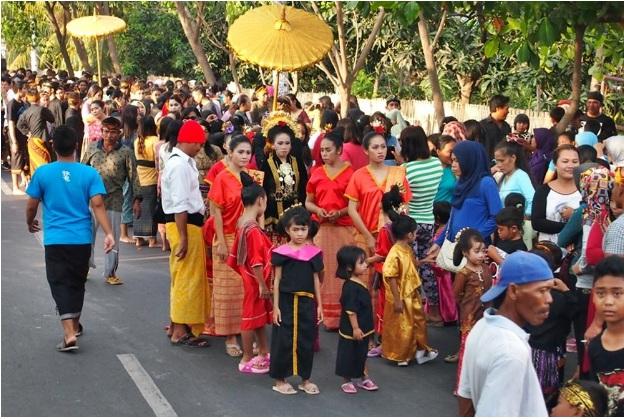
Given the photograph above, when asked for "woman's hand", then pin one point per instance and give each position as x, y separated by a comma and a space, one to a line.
264, 292
566, 213
398, 306
319, 314
432, 254
371, 243
221, 251
322, 213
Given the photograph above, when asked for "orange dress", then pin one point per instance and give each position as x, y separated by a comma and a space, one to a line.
364, 189
329, 194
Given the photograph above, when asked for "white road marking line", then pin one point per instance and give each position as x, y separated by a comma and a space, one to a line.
146, 386
8, 190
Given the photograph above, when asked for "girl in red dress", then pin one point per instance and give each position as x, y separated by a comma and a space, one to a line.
251, 258
328, 205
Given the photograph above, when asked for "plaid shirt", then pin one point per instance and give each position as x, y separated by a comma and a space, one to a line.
115, 167
613, 242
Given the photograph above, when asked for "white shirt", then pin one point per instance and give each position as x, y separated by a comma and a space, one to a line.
180, 185
497, 372
555, 202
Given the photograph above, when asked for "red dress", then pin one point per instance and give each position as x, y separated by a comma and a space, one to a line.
257, 252
329, 192
382, 248
225, 193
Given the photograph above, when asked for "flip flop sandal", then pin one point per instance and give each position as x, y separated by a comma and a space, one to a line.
285, 389
191, 341
309, 388
348, 388
368, 385
451, 359
80, 330
233, 350
260, 365
66, 346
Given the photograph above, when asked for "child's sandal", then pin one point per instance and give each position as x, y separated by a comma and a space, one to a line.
348, 388
368, 385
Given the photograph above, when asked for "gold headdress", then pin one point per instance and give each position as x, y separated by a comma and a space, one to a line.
577, 396
297, 205
278, 118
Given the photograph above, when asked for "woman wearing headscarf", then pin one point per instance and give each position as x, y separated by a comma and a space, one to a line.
475, 201
538, 162
614, 149
456, 130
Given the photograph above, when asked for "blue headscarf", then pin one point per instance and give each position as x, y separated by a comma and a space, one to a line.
474, 166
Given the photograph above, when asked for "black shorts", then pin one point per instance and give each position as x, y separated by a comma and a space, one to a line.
67, 266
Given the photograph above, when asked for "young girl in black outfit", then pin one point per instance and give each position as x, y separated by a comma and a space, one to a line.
356, 320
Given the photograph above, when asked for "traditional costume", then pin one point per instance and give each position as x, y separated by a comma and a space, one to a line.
292, 341
468, 288
252, 248
385, 241
406, 332
328, 192
351, 354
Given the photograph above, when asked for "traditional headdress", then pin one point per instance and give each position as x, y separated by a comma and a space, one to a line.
577, 396
279, 118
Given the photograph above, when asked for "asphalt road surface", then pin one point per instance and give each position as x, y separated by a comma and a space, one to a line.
127, 367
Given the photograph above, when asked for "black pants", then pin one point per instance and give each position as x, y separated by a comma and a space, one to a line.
67, 266
580, 324
351, 357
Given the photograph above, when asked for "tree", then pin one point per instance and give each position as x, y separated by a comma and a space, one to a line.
72, 9
60, 30
340, 71
112, 47
192, 25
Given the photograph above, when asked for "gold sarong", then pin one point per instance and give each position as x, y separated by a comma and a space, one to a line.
190, 300
38, 153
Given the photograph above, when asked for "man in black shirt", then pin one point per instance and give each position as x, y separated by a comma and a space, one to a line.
494, 127
593, 112
73, 119
19, 154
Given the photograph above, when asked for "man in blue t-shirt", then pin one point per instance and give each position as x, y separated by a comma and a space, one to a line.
66, 189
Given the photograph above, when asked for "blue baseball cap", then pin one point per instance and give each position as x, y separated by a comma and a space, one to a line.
519, 268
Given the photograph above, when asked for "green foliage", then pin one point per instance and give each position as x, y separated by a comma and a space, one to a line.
24, 25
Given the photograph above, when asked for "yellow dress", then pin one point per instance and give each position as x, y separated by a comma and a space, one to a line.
406, 332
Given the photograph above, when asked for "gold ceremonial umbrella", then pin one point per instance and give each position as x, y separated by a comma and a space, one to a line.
280, 38
96, 26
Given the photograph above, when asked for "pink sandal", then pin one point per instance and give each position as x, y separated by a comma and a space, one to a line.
260, 364
348, 388
368, 385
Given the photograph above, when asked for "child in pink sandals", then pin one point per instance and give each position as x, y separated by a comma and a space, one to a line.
356, 320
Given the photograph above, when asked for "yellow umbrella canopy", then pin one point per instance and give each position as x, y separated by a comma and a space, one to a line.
94, 27
280, 38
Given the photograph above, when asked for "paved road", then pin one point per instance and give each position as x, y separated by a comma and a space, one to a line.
129, 319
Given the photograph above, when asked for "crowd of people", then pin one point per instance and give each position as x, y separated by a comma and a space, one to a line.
299, 219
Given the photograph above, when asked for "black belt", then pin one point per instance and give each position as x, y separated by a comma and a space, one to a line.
196, 219
146, 163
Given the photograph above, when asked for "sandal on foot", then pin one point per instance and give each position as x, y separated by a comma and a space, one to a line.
233, 350
246, 367
260, 364
67, 346
451, 359
374, 352
191, 341
285, 388
80, 330
348, 388
368, 385
309, 388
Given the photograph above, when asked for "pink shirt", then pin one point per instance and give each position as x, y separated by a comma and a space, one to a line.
354, 154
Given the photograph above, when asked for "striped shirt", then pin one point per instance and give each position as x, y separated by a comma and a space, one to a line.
424, 178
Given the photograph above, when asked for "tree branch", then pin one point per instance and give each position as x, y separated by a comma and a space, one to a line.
321, 65
341, 40
440, 28
369, 44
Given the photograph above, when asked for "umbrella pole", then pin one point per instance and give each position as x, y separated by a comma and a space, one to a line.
275, 87
97, 53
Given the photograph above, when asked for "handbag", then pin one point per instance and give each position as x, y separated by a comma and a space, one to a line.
445, 257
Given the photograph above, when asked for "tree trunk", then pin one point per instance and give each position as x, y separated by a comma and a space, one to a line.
232, 61
376, 82
466, 84
80, 48
61, 37
345, 92
576, 79
432, 73
598, 60
192, 34
112, 46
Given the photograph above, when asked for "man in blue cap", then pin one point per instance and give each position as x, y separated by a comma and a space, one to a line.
497, 376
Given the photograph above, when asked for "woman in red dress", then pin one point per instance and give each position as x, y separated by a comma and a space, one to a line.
326, 201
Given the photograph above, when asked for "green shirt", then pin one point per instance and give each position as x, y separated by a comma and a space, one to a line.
423, 177
447, 186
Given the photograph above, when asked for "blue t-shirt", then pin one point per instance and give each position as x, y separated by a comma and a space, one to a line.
65, 190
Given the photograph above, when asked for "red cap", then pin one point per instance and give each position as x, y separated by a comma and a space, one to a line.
191, 132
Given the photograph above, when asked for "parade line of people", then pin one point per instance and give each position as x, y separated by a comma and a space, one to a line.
297, 220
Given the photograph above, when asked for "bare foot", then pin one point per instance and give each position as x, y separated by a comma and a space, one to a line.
126, 239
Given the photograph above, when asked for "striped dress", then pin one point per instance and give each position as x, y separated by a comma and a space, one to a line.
424, 178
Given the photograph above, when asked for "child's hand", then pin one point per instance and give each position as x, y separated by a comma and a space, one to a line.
398, 307
492, 252
264, 292
358, 334
277, 316
319, 314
